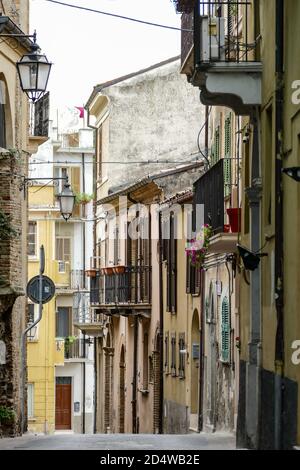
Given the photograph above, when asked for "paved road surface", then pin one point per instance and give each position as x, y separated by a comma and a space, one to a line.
68, 441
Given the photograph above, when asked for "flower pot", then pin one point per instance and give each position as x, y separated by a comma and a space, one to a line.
234, 215
227, 228
91, 272
119, 269
109, 271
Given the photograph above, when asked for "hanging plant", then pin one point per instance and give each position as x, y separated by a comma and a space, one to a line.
6, 229
197, 248
184, 6
83, 198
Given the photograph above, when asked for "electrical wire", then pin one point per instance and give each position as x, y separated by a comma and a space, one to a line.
114, 15
136, 162
199, 134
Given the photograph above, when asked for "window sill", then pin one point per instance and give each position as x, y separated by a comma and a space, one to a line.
33, 259
144, 391
32, 420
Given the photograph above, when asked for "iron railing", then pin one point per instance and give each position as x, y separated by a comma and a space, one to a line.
77, 279
224, 31
78, 349
82, 313
132, 287
209, 191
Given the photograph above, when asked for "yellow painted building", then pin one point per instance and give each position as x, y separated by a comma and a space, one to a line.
44, 352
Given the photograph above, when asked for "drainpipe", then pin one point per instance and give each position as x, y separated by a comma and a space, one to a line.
84, 280
253, 373
95, 386
134, 380
161, 327
279, 344
201, 352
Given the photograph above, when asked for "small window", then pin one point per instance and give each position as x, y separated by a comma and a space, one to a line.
32, 334
32, 228
182, 353
63, 250
173, 355
30, 401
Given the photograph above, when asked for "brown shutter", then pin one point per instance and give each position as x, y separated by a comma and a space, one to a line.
188, 276
173, 267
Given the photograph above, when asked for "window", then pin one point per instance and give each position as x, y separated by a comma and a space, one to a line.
193, 278
63, 249
63, 322
225, 331
173, 354
182, 352
30, 313
145, 363
30, 401
167, 353
32, 238
172, 267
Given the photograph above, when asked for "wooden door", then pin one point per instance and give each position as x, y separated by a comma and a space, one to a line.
63, 403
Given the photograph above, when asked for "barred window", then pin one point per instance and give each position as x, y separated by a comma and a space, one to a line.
32, 238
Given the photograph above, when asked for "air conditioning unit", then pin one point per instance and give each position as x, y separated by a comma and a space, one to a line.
212, 40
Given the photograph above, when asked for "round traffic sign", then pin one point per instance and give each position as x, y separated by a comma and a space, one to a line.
33, 289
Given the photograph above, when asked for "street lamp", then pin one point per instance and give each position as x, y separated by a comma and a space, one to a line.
34, 70
293, 172
66, 201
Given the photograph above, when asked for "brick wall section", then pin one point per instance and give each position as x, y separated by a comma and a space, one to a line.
12, 304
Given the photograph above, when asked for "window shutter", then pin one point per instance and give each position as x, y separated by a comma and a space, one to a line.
227, 159
225, 330
217, 145
188, 275
173, 267
197, 281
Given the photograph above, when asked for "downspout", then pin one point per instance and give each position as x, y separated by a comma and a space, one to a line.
253, 375
201, 352
134, 380
279, 344
95, 262
84, 281
161, 327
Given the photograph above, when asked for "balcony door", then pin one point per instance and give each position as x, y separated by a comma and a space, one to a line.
63, 400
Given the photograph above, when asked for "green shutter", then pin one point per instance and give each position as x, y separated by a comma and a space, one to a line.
225, 330
227, 158
215, 150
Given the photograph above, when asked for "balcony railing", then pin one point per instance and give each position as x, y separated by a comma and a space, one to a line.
223, 32
130, 288
78, 349
77, 279
67, 278
210, 191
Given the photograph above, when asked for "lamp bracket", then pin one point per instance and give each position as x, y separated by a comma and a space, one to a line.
30, 181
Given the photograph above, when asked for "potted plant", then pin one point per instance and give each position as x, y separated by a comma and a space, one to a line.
7, 416
83, 198
197, 248
184, 6
234, 215
92, 272
69, 340
120, 269
109, 270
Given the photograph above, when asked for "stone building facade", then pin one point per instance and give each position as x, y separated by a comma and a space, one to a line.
16, 146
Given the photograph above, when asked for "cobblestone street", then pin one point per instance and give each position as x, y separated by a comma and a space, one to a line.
125, 442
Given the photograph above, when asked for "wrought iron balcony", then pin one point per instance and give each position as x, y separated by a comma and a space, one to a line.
130, 289
84, 317
213, 191
221, 56
78, 349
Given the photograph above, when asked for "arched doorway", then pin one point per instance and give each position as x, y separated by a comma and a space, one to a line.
195, 368
122, 392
